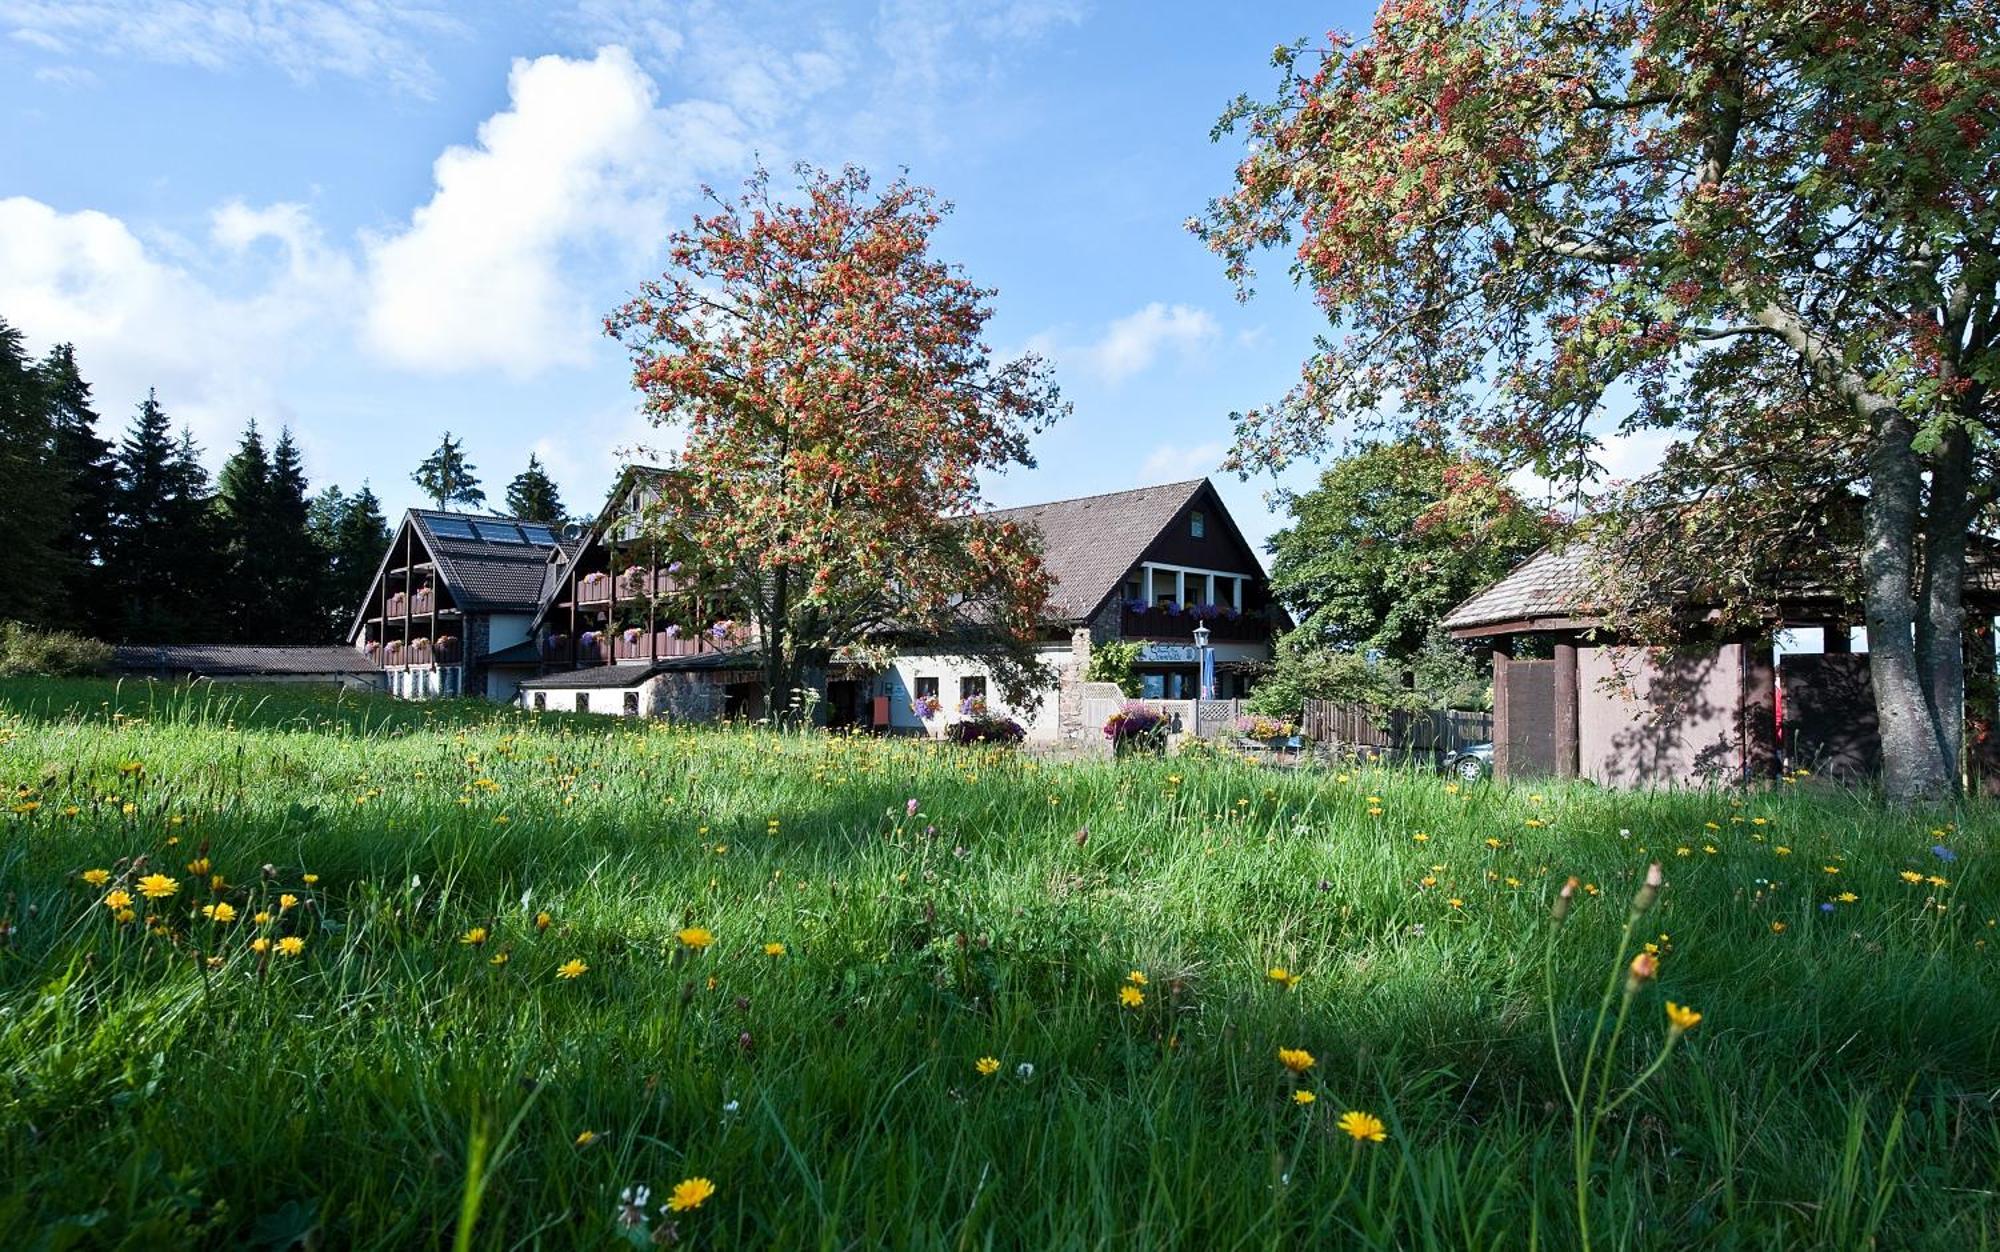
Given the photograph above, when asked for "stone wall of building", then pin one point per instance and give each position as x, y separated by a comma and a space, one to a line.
478, 634
1101, 628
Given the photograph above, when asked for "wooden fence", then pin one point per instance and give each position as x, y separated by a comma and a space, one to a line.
1441, 733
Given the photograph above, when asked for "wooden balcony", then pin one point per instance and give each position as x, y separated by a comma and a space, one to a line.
1250, 626
633, 584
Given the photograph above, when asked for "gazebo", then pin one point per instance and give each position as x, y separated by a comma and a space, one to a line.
1574, 699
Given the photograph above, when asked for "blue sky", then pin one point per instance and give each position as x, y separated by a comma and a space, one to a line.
374, 221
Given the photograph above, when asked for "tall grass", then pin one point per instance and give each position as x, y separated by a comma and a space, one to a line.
392, 1085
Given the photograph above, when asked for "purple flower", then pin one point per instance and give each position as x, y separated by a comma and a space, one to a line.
910, 808
673, 632
1827, 907
1943, 853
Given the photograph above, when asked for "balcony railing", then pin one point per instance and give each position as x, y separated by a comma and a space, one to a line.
590, 646
633, 584
1224, 625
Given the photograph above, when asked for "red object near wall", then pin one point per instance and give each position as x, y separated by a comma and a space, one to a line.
878, 711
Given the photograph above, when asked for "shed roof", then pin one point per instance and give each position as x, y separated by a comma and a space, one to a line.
242, 660
1550, 584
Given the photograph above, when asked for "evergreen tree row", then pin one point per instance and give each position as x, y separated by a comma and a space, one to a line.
134, 542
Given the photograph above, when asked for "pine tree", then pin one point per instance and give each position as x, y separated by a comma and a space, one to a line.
34, 499
533, 496
162, 563
244, 522
298, 568
447, 477
84, 460
351, 530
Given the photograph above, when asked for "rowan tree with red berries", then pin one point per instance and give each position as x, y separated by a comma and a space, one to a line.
1770, 228
839, 405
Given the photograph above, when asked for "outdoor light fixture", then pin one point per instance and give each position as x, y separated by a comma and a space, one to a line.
1201, 635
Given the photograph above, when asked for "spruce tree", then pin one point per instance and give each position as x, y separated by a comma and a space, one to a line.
448, 478
353, 533
85, 463
162, 563
298, 569
533, 496
244, 521
34, 499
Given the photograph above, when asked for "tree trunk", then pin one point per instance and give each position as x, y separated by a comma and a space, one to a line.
1912, 705
777, 678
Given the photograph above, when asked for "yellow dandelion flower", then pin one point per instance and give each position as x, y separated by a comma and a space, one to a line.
287, 901
1363, 1127
1777, 928
198, 866
695, 937
97, 877
542, 920
116, 899
158, 886
1298, 1060
219, 912
474, 937
1936, 881
308, 879
1681, 1018
774, 949
498, 958
260, 945
1131, 997
572, 968
1282, 976
291, 945
988, 1066
1137, 978
1911, 876
584, 1138
1303, 1097
689, 1193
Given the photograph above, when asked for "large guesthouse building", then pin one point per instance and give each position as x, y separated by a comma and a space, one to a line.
604, 624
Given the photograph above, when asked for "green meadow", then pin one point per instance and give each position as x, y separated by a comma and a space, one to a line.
347, 1023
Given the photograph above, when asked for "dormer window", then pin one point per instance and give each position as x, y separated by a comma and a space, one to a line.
1197, 525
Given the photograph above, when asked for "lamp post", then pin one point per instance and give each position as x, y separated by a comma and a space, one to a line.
1207, 656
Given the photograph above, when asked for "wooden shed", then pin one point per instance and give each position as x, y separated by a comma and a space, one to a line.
1573, 700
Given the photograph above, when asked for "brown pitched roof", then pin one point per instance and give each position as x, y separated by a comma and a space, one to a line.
1551, 583
1089, 543
241, 660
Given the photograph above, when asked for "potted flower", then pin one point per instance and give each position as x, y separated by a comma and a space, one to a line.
1136, 727
987, 728
1271, 732
926, 707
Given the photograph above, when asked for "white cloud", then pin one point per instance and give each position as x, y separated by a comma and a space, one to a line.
73, 76
1134, 343
581, 166
363, 39
140, 320
1172, 462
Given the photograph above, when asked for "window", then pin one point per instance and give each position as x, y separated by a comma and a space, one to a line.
971, 687
499, 532
631, 704
541, 702
1153, 686
1197, 525
583, 702
927, 687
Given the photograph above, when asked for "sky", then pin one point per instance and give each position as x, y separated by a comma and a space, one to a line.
371, 221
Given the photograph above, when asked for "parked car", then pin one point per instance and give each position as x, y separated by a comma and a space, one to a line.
1472, 762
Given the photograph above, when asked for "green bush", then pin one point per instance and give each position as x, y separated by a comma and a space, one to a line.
26, 651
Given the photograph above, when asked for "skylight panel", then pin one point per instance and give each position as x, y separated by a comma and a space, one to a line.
452, 528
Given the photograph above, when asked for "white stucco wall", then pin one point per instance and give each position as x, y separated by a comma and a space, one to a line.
900, 682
